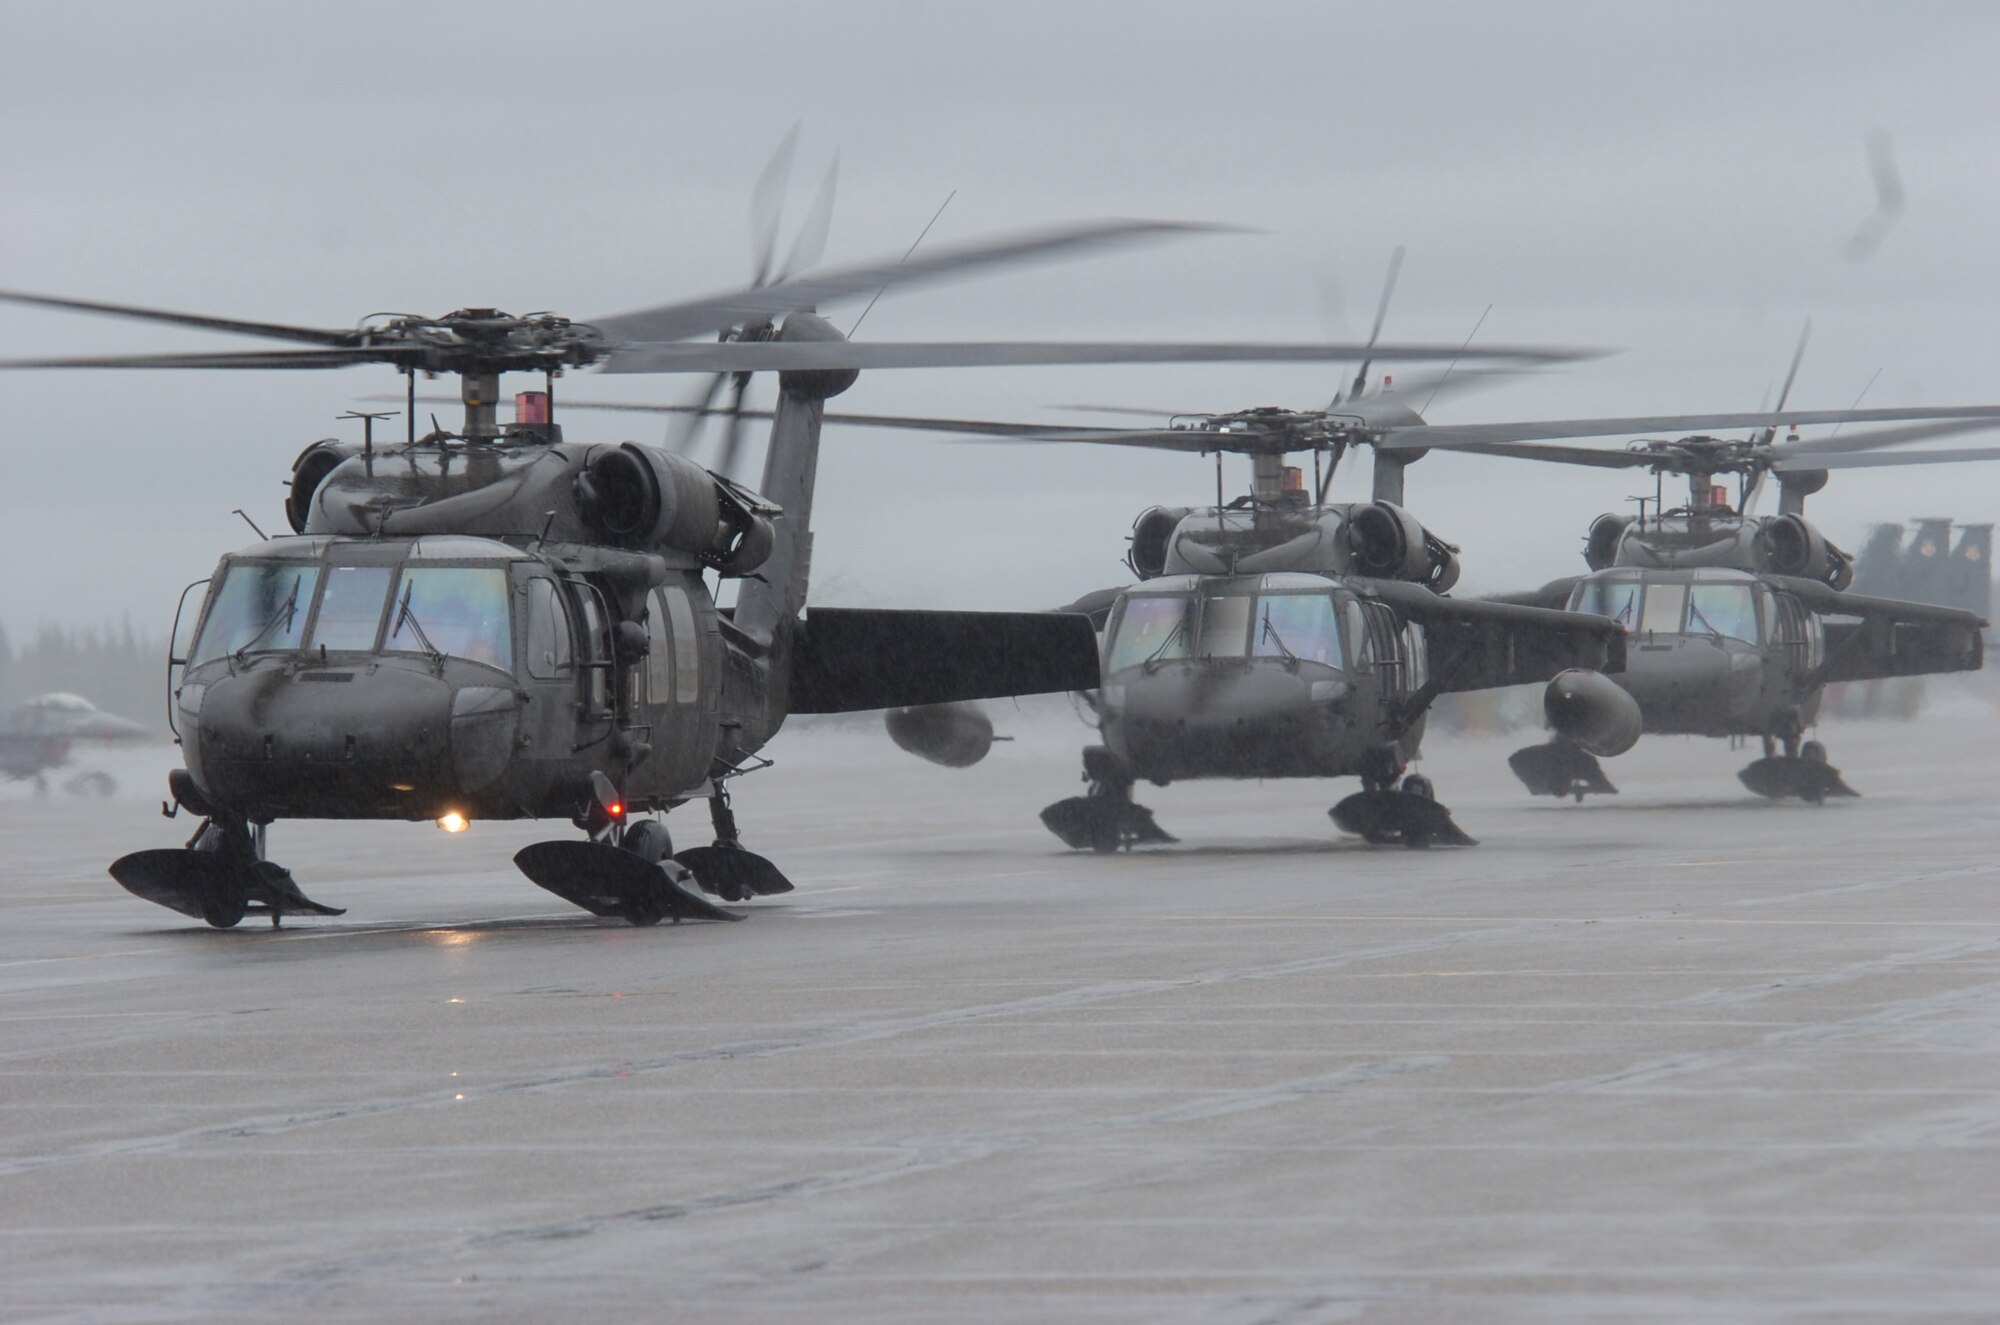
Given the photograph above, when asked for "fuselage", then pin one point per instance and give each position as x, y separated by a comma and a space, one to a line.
1711, 651
1254, 676
408, 678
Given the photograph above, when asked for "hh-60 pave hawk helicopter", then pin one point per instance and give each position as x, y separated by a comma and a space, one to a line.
1280, 636
500, 623
1738, 622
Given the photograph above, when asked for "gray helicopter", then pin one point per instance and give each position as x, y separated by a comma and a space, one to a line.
1738, 622
1278, 635
500, 623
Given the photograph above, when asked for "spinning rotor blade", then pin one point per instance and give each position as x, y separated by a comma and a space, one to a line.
1870, 461
1451, 435
767, 356
697, 413
1881, 437
767, 200
732, 430
811, 240
267, 330
392, 354
1381, 315
729, 308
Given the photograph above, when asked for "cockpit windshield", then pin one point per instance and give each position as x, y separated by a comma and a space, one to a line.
1303, 626
1727, 611
1723, 609
260, 606
1225, 627
1152, 628
280, 606
1617, 599
459, 610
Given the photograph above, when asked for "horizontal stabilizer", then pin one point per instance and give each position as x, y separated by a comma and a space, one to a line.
849, 659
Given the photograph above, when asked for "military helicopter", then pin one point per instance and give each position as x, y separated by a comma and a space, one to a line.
1739, 621
38, 736
498, 623
1277, 635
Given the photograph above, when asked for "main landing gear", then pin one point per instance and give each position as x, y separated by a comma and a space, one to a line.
1560, 768
1800, 771
1384, 815
1105, 818
221, 875
628, 870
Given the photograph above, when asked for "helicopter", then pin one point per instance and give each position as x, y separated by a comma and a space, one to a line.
498, 623
1278, 635
1739, 621
38, 736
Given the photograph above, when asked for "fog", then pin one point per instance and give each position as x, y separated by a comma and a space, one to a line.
1679, 183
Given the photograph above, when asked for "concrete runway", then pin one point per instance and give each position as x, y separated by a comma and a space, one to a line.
1677, 1055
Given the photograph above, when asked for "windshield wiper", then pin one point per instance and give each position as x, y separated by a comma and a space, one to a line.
285, 612
1179, 630
1696, 614
1270, 632
404, 614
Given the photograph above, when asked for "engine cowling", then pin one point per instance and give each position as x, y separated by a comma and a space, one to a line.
308, 472
1591, 711
1152, 539
1600, 548
1387, 542
954, 735
636, 496
1793, 547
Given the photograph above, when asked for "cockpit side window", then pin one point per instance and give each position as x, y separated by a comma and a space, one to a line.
548, 631
687, 645
350, 608
1303, 626
460, 611
1150, 628
259, 605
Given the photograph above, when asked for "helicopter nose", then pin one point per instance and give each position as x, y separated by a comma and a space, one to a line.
1191, 720
370, 741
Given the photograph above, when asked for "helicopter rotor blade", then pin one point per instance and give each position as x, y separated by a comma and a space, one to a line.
1381, 315
732, 428
345, 337
766, 356
729, 308
810, 243
391, 354
1876, 438
1453, 435
767, 203
1872, 460
684, 437
1770, 434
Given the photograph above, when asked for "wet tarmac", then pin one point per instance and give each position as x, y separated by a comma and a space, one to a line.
1676, 1055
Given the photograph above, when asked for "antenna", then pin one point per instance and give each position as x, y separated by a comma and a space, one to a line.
1435, 386
368, 426
906, 257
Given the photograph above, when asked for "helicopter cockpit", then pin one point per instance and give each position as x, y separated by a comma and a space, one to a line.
1293, 618
1708, 604
434, 597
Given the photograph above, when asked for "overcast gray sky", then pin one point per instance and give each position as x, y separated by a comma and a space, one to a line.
1674, 180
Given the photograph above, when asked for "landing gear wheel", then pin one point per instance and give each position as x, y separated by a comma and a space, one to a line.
1416, 784
1814, 751
649, 841
223, 907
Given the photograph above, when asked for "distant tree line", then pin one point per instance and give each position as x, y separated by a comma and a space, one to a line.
114, 668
